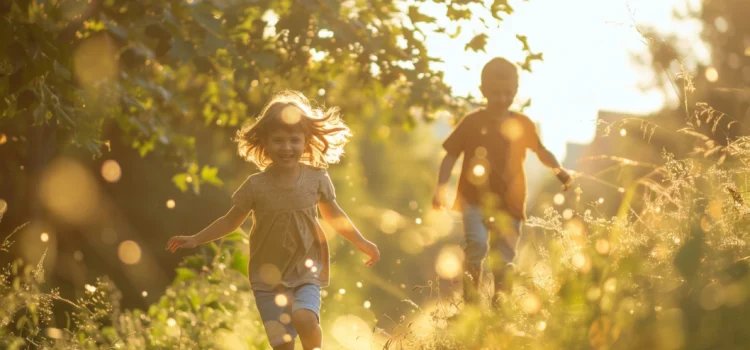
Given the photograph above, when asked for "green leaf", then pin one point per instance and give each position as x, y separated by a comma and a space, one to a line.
477, 43
500, 6
184, 274
240, 262
209, 174
180, 180
417, 16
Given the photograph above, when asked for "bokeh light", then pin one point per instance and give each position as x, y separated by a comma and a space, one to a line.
281, 300
94, 61
309, 263
479, 170
581, 262
69, 191
712, 75
449, 262
367, 304
111, 171
171, 203
567, 214
531, 303
270, 274
390, 221
623, 132
291, 115
54, 333
511, 129
129, 252
559, 199
44, 237
3, 139
602, 246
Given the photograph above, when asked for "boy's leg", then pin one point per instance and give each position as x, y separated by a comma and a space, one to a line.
306, 316
475, 251
506, 233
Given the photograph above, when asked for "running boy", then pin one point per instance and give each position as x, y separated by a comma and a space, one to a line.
492, 187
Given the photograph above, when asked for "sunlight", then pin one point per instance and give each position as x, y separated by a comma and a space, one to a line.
352, 332
587, 63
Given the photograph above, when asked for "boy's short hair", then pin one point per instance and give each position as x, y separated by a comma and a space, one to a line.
499, 68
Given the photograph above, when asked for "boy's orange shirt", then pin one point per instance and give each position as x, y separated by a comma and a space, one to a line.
494, 151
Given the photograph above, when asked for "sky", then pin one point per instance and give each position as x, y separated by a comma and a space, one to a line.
588, 66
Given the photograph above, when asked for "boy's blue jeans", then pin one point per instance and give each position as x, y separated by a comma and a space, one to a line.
493, 236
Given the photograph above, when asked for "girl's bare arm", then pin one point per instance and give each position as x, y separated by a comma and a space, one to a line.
222, 226
339, 221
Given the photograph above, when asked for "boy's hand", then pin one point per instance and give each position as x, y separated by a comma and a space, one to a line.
438, 200
371, 250
565, 178
178, 242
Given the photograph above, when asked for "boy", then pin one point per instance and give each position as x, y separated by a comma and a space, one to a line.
492, 187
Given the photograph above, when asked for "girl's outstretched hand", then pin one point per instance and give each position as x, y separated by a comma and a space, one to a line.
178, 242
372, 251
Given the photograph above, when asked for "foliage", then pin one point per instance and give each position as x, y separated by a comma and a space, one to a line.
209, 304
160, 71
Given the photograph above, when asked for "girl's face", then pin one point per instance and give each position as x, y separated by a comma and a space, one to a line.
285, 147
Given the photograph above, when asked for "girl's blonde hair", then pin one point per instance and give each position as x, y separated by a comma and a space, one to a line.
325, 132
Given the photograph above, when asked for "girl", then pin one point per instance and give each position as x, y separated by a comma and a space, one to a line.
292, 143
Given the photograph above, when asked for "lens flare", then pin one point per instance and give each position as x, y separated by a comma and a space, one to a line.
129, 252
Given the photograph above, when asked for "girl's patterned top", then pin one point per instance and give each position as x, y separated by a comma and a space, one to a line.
287, 245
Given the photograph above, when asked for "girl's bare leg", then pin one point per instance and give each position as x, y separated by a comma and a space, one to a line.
308, 329
285, 346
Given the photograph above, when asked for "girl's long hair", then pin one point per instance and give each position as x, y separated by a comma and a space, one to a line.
325, 132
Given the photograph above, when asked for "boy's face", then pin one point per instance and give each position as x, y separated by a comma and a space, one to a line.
285, 147
500, 92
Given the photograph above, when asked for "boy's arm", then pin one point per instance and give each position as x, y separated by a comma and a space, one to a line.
444, 175
339, 221
549, 160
